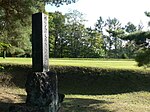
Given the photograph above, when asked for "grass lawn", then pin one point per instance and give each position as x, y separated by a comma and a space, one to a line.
103, 63
126, 102
133, 90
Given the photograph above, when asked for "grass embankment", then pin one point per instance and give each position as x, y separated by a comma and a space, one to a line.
87, 89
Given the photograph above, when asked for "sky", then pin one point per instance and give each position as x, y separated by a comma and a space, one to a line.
123, 10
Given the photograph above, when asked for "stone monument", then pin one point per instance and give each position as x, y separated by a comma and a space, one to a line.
41, 85
40, 43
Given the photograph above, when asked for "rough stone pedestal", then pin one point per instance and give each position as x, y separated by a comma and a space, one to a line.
42, 94
41, 88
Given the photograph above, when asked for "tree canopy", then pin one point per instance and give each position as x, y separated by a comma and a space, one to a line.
68, 35
142, 41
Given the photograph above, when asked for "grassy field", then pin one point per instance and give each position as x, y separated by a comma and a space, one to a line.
102, 63
90, 92
126, 102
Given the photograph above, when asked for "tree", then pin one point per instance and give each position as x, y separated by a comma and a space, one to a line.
56, 28
130, 49
114, 29
142, 42
143, 61
100, 24
101, 27
130, 27
75, 32
3, 48
93, 44
15, 25
111, 30
15, 20
11, 10
18, 36
70, 38
58, 2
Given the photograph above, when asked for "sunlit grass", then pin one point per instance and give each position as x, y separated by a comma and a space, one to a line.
16, 60
102, 63
127, 102
97, 63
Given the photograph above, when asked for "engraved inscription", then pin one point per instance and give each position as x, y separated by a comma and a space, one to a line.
40, 43
45, 44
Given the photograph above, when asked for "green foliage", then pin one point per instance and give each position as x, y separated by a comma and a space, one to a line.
130, 27
70, 38
18, 38
75, 33
111, 30
100, 24
139, 37
94, 43
4, 46
15, 51
58, 2
143, 54
68, 35
15, 21
56, 29
121, 42
141, 40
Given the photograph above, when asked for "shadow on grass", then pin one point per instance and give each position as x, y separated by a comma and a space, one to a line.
14, 75
103, 82
69, 105
9, 99
84, 105
4, 106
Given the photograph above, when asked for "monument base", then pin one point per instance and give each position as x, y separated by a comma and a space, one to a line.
42, 94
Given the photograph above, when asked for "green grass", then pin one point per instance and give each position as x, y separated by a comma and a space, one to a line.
123, 88
129, 102
126, 102
102, 63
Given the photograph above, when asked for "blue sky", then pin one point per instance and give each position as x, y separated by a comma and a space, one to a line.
123, 10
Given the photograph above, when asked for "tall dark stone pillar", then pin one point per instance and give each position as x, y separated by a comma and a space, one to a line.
41, 85
40, 43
